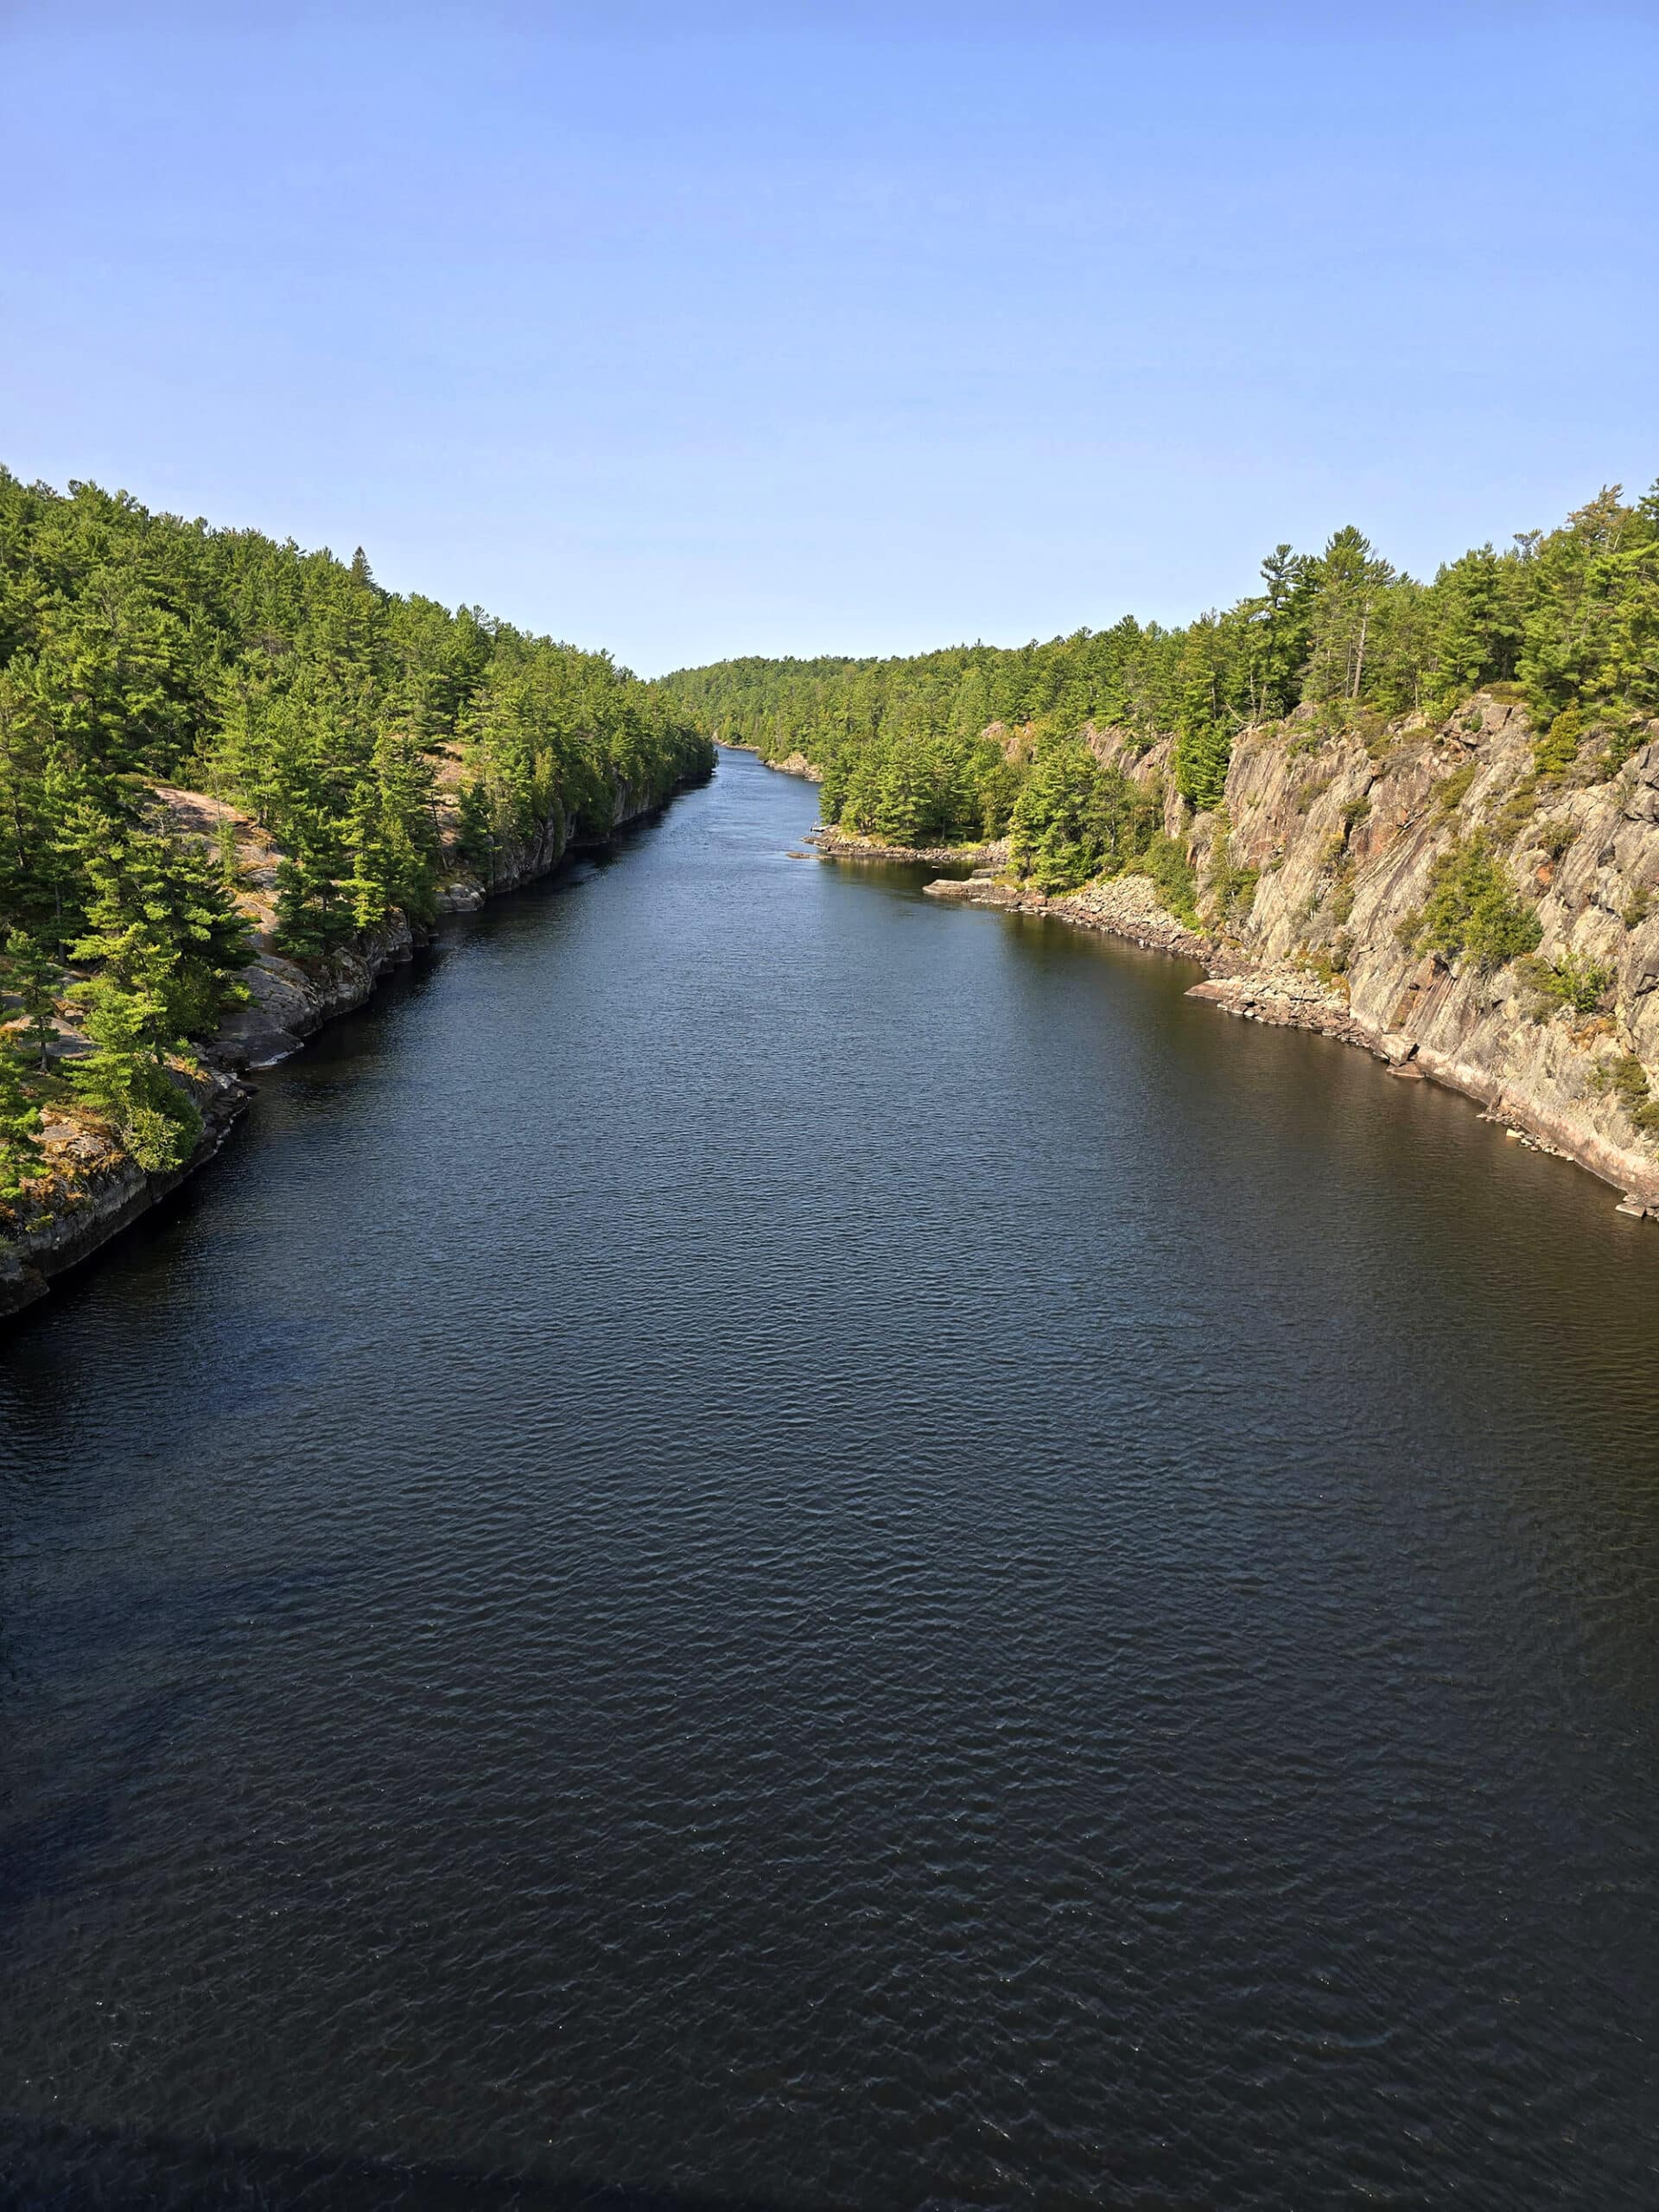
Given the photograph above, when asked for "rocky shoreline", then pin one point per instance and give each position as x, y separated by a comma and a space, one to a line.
1291, 998
796, 764
1330, 838
842, 845
1126, 906
1341, 839
94, 1190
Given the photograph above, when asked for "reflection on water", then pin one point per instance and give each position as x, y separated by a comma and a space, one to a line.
770, 1542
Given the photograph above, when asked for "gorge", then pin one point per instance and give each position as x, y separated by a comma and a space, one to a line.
1421, 818
894, 1565
766, 1539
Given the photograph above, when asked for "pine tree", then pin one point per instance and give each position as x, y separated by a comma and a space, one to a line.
20, 1151
38, 981
1349, 579
901, 805
125, 1075
1280, 618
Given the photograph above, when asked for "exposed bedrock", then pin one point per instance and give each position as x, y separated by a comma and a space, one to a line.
1331, 843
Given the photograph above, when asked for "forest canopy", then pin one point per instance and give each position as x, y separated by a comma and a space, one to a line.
922, 750
140, 649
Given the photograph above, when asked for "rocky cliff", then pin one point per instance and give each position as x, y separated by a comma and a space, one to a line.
1332, 882
93, 1189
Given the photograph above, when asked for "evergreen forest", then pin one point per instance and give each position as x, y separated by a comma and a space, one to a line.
977, 742
139, 650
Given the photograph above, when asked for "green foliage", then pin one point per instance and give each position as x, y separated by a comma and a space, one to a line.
1572, 982
138, 648
1479, 618
916, 787
1625, 1077
1451, 791
1075, 819
1591, 622
1627, 1080
161, 1131
20, 1151
1625, 740
1516, 811
159, 921
1331, 961
902, 812
1473, 909
38, 982
1230, 885
1567, 621
1352, 584
1166, 862
125, 1075
1555, 752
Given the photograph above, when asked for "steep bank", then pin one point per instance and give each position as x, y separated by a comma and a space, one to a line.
1338, 857
92, 1188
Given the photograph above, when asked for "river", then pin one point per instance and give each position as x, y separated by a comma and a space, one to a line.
770, 1542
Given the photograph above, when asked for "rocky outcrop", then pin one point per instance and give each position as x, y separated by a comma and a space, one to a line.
288, 1000
1324, 854
844, 845
93, 1189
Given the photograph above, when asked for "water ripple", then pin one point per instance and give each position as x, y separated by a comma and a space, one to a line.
762, 1542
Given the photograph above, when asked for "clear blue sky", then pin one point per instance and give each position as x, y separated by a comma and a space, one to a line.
695, 329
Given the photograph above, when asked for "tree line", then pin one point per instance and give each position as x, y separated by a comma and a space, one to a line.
980, 741
139, 649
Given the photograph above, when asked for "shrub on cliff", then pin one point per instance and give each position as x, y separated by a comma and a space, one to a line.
1166, 863
1555, 753
1231, 885
1474, 910
1627, 1080
1572, 982
1452, 790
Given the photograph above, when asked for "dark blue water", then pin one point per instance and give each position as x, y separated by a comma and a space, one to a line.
767, 1540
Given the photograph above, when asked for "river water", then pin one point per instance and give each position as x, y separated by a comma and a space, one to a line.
769, 1542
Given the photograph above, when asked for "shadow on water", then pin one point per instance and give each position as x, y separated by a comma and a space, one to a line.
47, 2166
352, 1043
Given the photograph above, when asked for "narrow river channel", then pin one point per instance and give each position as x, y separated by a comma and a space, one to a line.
770, 1542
